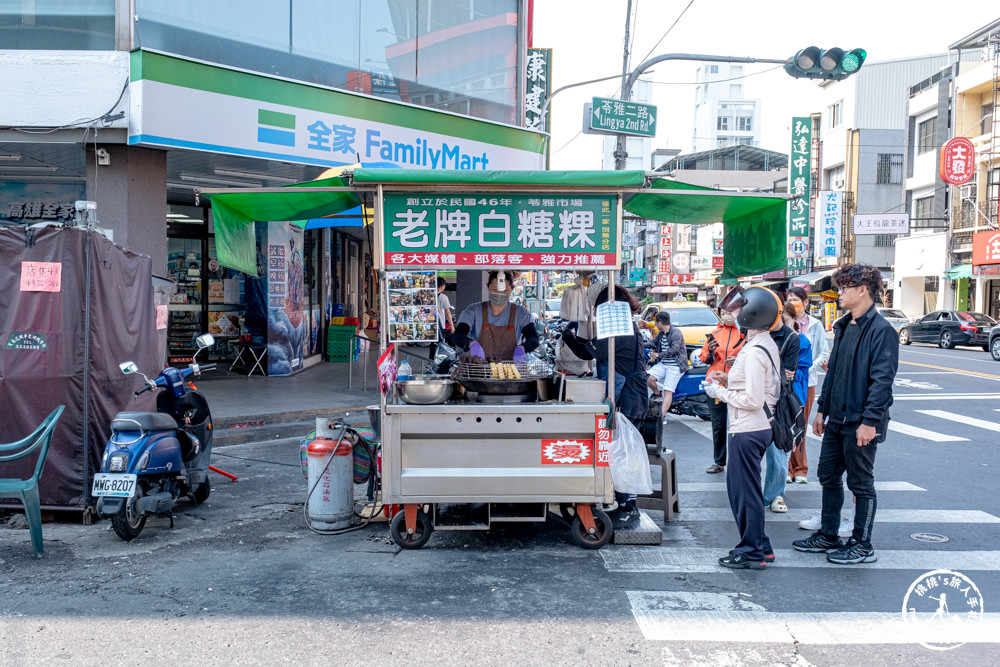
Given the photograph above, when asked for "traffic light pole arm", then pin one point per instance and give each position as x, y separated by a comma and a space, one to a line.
620, 154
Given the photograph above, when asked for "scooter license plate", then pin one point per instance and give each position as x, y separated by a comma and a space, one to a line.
110, 484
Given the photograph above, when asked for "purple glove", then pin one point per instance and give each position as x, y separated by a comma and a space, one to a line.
518, 355
476, 350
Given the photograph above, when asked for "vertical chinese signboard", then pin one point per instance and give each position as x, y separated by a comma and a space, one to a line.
828, 224
486, 230
799, 186
537, 90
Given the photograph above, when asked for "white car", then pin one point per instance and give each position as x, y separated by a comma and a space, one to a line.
894, 316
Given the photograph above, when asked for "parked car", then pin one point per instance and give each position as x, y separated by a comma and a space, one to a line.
551, 308
896, 318
994, 342
949, 328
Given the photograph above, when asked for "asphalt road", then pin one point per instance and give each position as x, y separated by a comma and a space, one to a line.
241, 580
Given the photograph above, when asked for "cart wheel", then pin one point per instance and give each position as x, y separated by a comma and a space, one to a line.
568, 512
581, 538
421, 533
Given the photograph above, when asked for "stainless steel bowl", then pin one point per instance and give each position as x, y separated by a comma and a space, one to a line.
425, 392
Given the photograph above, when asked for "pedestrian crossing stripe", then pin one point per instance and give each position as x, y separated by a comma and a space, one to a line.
960, 371
882, 516
719, 617
689, 487
931, 396
637, 560
961, 419
918, 432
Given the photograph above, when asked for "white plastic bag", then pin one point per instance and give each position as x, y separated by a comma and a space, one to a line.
629, 460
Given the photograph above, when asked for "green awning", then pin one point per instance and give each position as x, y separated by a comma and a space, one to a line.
960, 271
754, 223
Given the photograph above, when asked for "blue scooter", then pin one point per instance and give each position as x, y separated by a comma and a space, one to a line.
153, 458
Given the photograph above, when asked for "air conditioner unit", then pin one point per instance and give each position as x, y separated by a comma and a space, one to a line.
967, 192
838, 183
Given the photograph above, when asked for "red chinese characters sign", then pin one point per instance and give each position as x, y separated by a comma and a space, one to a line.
602, 436
957, 164
674, 278
41, 276
985, 248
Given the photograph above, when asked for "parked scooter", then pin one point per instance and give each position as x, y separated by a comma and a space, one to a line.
154, 458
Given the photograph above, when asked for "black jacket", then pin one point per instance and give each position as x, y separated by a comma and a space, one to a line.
869, 380
790, 353
633, 400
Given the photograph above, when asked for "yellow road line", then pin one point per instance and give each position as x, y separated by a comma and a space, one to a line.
954, 370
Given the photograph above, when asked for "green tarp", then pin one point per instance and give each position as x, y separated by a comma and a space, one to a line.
754, 224
960, 271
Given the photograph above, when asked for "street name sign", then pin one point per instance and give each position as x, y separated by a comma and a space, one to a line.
635, 118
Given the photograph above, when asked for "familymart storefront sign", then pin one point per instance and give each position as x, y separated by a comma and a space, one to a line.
178, 103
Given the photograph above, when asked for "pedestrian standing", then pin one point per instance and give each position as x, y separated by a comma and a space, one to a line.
852, 414
670, 354
805, 323
787, 342
719, 352
752, 384
445, 323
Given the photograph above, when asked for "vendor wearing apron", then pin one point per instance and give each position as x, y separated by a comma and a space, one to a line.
492, 329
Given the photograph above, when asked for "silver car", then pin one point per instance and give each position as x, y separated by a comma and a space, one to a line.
895, 317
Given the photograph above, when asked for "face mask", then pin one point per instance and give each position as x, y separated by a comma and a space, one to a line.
728, 319
499, 298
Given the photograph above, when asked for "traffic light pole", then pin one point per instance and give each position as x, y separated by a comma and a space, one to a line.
620, 154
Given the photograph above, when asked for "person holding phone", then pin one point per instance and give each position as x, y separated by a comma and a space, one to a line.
719, 352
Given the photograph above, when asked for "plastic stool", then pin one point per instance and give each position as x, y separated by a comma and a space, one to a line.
666, 498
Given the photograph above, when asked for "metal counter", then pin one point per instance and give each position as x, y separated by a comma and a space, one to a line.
487, 453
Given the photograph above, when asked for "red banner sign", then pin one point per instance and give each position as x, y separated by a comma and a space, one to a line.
674, 278
717, 262
957, 163
985, 248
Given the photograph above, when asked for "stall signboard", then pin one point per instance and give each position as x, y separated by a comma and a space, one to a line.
799, 182
663, 266
602, 436
985, 248
957, 162
486, 230
538, 89
412, 306
828, 212
674, 278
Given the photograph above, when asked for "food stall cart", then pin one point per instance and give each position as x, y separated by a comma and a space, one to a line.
491, 451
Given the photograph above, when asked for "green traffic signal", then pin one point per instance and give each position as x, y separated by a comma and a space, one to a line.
835, 63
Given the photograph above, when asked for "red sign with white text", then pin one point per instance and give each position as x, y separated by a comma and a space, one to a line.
985, 248
602, 436
674, 278
957, 163
567, 452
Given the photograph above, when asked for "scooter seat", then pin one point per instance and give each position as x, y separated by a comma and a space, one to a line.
148, 421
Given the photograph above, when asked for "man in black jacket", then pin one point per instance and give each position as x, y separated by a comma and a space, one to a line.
853, 414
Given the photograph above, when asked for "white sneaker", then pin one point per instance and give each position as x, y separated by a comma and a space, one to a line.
800, 479
812, 523
846, 527
788, 479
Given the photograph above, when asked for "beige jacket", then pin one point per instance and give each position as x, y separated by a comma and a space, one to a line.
752, 382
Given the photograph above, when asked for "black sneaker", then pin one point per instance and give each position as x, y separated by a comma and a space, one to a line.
768, 555
738, 562
625, 519
817, 543
852, 553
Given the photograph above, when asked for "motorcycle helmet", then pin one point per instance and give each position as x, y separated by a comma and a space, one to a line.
754, 307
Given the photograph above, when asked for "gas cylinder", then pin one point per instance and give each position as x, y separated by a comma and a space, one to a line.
331, 504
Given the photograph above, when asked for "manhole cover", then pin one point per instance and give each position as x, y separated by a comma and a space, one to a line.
928, 537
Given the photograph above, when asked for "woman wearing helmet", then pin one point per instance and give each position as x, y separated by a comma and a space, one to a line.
751, 384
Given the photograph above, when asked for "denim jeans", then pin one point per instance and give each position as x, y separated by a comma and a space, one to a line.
777, 471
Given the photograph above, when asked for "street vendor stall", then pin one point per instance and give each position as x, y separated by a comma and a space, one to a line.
479, 446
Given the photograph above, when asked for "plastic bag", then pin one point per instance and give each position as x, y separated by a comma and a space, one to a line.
629, 460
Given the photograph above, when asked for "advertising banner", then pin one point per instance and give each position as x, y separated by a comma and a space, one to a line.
800, 185
985, 248
674, 278
483, 230
828, 224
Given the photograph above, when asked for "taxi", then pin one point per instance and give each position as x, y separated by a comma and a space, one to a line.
693, 318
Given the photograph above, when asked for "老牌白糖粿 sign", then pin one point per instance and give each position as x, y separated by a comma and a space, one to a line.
484, 230
635, 118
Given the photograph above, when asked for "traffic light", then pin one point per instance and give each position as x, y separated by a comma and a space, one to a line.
835, 63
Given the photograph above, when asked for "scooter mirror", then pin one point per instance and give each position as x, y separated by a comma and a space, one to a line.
128, 367
205, 340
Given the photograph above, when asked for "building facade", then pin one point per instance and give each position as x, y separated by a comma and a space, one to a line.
722, 115
133, 104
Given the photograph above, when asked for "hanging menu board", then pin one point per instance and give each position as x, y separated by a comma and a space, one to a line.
412, 306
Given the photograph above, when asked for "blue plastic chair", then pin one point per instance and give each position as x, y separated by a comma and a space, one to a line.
26, 490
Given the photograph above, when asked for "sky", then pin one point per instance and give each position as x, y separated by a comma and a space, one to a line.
587, 41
